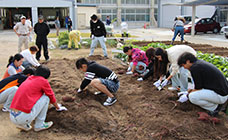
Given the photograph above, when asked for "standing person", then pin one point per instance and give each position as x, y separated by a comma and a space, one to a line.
29, 58
106, 81
14, 66
178, 76
108, 21
211, 86
178, 27
22, 29
57, 26
42, 30
9, 85
69, 25
66, 21
98, 34
138, 60
31, 102
74, 35
28, 21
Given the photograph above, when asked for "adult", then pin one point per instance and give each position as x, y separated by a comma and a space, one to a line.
9, 86
28, 21
166, 57
42, 30
138, 60
99, 77
69, 24
31, 102
74, 35
57, 26
29, 58
66, 21
178, 28
211, 86
108, 21
124, 29
14, 65
98, 34
22, 29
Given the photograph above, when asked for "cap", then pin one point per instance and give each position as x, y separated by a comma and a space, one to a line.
41, 17
23, 17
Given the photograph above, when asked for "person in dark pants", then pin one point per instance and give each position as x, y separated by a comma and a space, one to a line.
69, 25
42, 30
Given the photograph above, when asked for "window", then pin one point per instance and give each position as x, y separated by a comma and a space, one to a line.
135, 1
107, 12
135, 14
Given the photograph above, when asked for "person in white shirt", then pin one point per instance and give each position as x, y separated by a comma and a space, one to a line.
28, 21
29, 57
124, 29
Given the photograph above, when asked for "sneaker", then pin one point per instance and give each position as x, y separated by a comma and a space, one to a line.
76, 48
100, 93
110, 101
68, 48
4, 109
25, 127
45, 126
172, 89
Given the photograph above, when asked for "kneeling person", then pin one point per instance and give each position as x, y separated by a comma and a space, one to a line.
106, 81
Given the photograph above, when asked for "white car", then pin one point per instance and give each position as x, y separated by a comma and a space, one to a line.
222, 29
225, 31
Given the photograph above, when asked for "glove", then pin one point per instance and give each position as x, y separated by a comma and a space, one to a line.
183, 98
105, 39
79, 90
92, 37
140, 79
157, 83
61, 108
129, 73
164, 83
182, 93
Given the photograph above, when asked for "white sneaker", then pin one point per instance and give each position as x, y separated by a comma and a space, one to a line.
172, 89
4, 109
45, 126
110, 101
25, 127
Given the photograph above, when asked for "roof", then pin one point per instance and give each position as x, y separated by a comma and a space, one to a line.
86, 5
201, 2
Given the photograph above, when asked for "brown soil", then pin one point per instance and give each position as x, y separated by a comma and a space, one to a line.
141, 112
198, 47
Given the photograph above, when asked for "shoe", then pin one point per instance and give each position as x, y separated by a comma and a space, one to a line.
4, 109
76, 48
25, 127
110, 101
68, 48
45, 126
47, 60
172, 89
100, 93
106, 57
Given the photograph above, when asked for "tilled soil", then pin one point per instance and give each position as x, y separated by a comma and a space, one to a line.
141, 112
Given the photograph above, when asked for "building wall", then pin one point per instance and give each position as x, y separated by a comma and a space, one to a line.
87, 11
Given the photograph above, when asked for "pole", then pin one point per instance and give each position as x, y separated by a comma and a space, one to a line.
193, 20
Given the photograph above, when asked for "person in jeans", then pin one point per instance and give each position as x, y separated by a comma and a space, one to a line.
166, 57
106, 81
178, 28
9, 86
98, 34
57, 26
138, 60
29, 58
31, 101
211, 86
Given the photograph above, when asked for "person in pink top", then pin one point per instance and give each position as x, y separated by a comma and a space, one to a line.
31, 101
138, 60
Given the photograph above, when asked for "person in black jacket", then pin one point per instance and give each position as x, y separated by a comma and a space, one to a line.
98, 34
42, 30
69, 24
99, 77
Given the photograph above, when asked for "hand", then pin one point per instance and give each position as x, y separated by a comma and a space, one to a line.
79, 90
105, 39
182, 93
92, 37
183, 98
61, 108
129, 73
157, 83
18, 34
164, 83
140, 79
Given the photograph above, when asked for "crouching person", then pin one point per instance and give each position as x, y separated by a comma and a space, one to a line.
211, 86
9, 86
100, 78
31, 102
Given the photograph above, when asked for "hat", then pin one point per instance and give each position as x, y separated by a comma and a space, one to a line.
94, 17
23, 17
41, 17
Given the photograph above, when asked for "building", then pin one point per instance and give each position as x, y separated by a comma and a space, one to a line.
12, 10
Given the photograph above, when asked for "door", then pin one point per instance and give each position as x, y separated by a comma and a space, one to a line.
82, 21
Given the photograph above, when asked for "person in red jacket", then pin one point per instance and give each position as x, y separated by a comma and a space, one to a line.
31, 102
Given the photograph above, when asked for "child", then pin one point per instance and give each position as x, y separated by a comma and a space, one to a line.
107, 81
74, 35
31, 102
29, 58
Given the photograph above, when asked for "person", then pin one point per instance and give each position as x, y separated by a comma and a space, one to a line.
138, 60
108, 21
98, 34
29, 58
42, 30
178, 28
169, 56
66, 21
28, 21
14, 66
150, 54
107, 81
57, 26
31, 101
22, 29
74, 35
9, 86
211, 86
69, 25
124, 28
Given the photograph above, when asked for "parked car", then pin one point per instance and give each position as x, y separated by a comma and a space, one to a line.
51, 21
226, 31
222, 31
203, 25
187, 18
